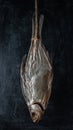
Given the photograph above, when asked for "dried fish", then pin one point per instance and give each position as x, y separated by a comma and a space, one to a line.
36, 72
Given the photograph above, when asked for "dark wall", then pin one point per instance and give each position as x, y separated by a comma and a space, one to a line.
15, 35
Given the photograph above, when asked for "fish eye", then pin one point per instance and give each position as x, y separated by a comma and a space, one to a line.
33, 114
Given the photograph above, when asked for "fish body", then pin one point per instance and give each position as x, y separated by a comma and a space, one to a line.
36, 75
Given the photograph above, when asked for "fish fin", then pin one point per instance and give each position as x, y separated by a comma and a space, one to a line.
33, 31
41, 24
49, 93
22, 68
50, 78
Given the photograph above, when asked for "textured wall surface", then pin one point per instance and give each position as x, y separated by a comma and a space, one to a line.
15, 34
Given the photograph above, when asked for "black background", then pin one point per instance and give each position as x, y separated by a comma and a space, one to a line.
15, 35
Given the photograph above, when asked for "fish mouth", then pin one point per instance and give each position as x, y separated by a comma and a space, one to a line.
36, 112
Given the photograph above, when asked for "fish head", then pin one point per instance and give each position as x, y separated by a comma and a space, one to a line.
36, 112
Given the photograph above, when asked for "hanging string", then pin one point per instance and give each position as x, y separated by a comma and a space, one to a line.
36, 19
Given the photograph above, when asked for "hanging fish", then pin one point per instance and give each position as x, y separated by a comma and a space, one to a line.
36, 72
